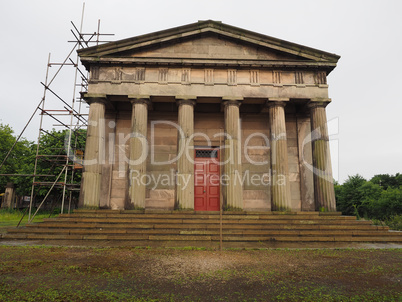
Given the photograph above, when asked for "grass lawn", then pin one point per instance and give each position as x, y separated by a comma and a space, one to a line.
10, 218
45, 273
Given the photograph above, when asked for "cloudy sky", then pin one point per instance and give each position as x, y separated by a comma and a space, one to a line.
366, 110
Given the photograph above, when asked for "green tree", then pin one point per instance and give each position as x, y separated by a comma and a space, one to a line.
387, 181
52, 158
370, 194
348, 196
380, 198
398, 178
20, 160
389, 204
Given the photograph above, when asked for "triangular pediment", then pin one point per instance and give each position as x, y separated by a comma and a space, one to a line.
207, 41
209, 46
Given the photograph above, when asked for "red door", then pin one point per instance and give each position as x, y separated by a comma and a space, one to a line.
206, 181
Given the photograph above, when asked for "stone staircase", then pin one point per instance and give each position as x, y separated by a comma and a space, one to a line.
202, 229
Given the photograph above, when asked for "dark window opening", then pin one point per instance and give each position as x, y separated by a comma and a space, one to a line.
206, 153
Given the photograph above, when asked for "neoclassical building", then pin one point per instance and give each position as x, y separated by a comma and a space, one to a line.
207, 114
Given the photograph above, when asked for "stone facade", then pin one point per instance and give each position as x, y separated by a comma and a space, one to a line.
257, 101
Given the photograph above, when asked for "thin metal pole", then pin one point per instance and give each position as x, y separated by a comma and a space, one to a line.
69, 201
72, 116
30, 119
23, 215
42, 104
77, 126
221, 201
97, 36
62, 64
50, 190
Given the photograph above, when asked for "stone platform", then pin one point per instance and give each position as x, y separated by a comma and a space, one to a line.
202, 229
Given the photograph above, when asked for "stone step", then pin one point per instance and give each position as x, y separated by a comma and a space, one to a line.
203, 232
190, 212
206, 216
206, 221
189, 228
64, 224
129, 237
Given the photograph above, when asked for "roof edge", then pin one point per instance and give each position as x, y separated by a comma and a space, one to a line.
241, 33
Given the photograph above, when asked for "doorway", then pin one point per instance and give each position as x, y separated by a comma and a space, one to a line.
206, 180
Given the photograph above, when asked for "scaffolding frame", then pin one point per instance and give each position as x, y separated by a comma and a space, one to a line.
72, 111
77, 119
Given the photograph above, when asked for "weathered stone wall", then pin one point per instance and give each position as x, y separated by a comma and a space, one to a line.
161, 163
256, 161
305, 162
293, 161
210, 124
120, 185
107, 167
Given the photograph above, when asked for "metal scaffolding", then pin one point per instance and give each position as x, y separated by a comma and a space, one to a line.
69, 115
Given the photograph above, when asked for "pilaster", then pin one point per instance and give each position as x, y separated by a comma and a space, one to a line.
185, 152
233, 190
138, 150
280, 185
323, 181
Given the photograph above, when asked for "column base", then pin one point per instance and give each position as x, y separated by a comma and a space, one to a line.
91, 190
184, 192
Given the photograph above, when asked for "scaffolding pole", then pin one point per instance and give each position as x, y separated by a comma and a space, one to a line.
42, 104
71, 117
81, 40
77, 122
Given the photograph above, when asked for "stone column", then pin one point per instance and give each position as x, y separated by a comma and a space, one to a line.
185, 152
8, 196
280, 185
138, 150
323, 181
94, 152
232, 154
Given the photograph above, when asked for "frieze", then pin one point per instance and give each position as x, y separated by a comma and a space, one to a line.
232, 77
186, 76
163, 75
299, 77
320, 77
255, 77
207, 76
276, 77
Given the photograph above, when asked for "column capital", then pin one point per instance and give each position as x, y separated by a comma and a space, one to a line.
232, 101
186, 100
140, 99
94, 98
318, 102
277, 102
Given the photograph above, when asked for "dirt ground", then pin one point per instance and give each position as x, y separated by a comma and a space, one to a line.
48, 273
